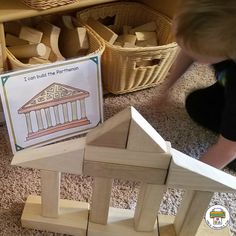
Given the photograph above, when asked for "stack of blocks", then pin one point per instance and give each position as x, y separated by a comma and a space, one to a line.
125, 147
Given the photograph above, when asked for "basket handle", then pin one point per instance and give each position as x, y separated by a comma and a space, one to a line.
148, 62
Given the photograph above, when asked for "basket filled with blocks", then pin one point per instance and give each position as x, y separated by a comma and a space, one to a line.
46, 42
139, 47
46, 4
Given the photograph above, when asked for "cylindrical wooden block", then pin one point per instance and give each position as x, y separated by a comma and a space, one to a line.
26, 51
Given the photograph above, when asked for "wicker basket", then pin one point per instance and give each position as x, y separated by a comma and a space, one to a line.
96, 45
121, 70
46, 4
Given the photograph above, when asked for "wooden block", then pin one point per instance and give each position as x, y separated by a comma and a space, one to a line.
67, 22
147, 27
152, 42
120, 222
62, 157
148, 204
47, 54
167, 229
189, 173
73, 218
192, 210
113, 132
129, 38
142, 36
50, 38
106, 33
83, 38
27, 51
143, 137
37, 60
30, 34
12, 27
136, 173
100, 200
72, 41
127, 157
50, 193
12, 40
128, 45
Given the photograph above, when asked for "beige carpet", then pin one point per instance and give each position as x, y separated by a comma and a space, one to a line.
171, 122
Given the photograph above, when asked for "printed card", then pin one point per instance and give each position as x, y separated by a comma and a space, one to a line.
52, 102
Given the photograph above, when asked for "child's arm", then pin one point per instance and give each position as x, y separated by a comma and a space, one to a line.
221, 153
181, 64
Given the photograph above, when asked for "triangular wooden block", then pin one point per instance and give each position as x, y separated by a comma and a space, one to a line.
62, 157
113, 132
189, 173
143, 137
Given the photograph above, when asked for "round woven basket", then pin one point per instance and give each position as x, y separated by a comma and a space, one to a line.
46, 4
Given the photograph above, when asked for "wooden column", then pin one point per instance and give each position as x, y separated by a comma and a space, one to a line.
50, 185
100, 200
192, 209
146, 211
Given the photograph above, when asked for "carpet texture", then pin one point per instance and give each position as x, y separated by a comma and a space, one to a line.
172, 123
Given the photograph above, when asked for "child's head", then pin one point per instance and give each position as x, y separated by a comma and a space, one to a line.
206, 29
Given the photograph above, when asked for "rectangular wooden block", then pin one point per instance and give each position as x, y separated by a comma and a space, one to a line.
73, 219
99, 209
135, 173
106, 33
50, 193
152, 42
150, 26
12, 40
30, 34
127, 157
141, 36
120, 222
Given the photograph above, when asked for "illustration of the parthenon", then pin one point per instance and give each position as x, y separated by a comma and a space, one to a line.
49, 103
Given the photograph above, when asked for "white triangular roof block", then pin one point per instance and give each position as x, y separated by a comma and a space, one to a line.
113, 132
127, 129
62, 157
143, 137
187, 172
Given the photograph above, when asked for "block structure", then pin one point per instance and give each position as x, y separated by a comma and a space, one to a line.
125, 147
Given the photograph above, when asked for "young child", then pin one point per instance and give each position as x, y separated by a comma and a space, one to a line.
205, 30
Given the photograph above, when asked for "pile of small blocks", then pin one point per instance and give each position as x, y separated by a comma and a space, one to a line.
44, 40
141, 36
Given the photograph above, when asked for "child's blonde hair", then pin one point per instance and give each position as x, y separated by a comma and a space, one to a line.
208, 27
